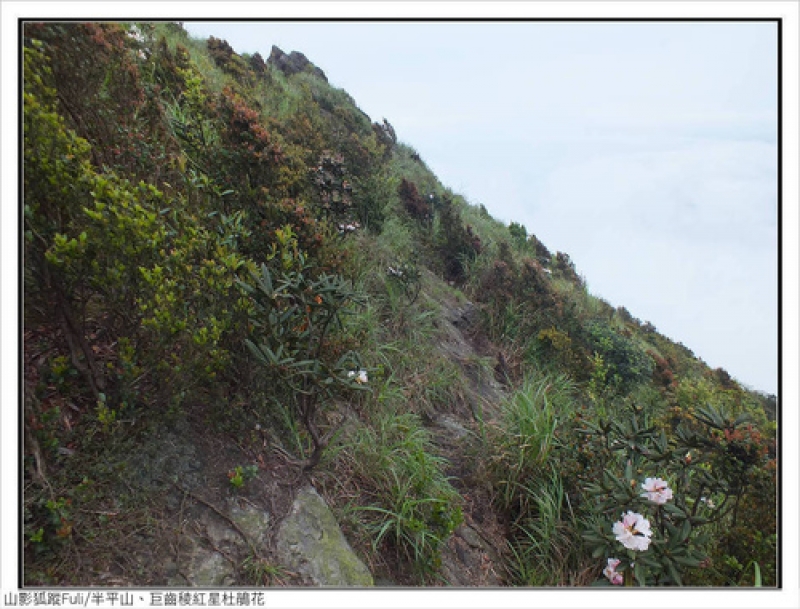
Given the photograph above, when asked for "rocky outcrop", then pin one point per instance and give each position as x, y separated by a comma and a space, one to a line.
213, 543
310, 543
293, 63
469, 560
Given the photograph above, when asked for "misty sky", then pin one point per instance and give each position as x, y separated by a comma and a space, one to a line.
647, 151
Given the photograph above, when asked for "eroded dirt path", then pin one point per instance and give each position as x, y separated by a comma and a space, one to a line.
473, 556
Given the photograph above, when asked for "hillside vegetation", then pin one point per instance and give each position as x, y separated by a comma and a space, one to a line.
226, 244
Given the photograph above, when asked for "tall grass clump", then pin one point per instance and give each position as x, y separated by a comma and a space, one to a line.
406, 505
523, 439
529, 489
543, 542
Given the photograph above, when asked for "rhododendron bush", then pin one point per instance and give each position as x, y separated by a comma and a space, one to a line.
660, 499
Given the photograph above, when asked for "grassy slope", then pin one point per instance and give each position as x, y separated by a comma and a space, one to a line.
386, 470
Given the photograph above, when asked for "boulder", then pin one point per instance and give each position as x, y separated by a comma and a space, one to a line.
310, 542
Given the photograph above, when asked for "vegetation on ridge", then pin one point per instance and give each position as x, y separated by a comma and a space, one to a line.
209, 237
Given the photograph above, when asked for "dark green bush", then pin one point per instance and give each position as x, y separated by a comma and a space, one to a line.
628, 364
456, 243
414, 203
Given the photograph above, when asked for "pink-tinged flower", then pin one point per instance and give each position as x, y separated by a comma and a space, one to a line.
610, 572
656, 490
633, 531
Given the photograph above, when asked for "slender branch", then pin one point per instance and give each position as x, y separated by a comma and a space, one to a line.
697, 500
219, 513
75, 339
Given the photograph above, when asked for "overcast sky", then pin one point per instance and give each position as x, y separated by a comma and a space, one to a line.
647, 151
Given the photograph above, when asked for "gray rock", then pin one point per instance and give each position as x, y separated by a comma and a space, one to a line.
453, 427
211, 558
310, 542
471, 537
253, 522
468, 560
203, 567
293, 63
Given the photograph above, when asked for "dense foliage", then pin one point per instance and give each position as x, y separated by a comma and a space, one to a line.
206, 228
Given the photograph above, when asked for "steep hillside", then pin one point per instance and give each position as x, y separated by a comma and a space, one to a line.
243, 294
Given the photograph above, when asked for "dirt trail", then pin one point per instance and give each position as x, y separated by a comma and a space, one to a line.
473, 556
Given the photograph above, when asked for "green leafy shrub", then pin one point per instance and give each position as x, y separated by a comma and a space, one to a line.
627, 363
519, 234
240, 474
119, 255
120, 119
295, 311
685, 488
558, 345
372, 197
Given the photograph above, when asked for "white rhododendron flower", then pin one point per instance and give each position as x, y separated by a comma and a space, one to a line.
708, 502
656, 490
611, 572
633, 531
360, 376
349, 228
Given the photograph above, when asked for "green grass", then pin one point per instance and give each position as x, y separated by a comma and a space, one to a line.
404, 166
523, 438
542, 544
407, 504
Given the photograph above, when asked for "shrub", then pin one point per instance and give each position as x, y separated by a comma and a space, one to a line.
675, 491
102, 252
96, 68
519, 234
557, 345
565, 268
543, 255
457, 244
663, 374
295, 312
628, 364
413, 202
250, 155
225, 57
371, 199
